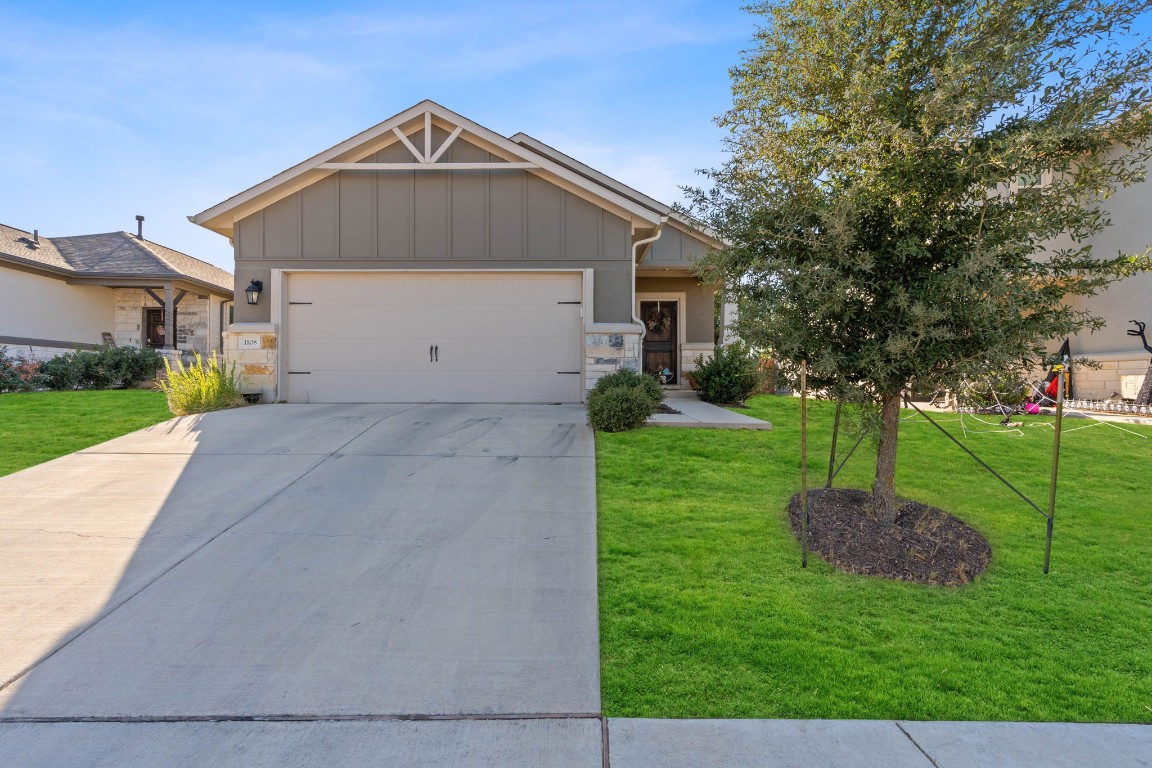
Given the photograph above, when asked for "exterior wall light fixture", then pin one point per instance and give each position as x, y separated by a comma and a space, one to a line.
253, 291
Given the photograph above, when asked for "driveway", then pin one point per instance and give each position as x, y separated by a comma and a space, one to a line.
313, 563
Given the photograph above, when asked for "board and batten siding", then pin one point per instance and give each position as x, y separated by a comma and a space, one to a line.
437, 220
675, 249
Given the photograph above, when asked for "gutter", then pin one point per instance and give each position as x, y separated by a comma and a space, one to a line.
635, 259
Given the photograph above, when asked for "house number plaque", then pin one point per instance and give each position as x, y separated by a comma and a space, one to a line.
249, 343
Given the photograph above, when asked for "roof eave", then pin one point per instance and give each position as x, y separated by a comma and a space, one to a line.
218, 220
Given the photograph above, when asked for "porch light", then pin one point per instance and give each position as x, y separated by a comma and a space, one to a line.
253, 291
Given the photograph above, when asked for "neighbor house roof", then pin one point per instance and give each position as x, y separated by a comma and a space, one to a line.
108, 257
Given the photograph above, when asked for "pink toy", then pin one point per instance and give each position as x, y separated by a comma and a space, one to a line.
1031, 408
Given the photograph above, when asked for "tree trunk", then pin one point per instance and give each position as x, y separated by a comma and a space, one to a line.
884, 488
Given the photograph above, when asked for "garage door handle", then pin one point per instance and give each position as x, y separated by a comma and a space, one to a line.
430, 354
437, 353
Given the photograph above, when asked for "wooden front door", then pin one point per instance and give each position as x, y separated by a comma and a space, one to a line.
154, 328
660, 334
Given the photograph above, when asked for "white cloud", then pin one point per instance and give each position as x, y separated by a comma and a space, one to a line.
109, 117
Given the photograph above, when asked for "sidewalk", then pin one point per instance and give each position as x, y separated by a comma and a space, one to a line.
876, 744
696, 413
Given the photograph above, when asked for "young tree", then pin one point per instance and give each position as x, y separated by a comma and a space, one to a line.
881, 196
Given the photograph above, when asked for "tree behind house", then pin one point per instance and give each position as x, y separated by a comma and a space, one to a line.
872, 198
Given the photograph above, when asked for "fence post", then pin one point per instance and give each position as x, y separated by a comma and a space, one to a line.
1055, 464
804, 463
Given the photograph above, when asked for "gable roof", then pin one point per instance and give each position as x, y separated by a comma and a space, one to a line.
556, 168
108, 256
687, 222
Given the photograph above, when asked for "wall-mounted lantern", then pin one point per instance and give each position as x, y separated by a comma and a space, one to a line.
253, 291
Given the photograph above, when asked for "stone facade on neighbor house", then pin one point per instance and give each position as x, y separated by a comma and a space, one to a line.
198, 320
1117, 375
65, 293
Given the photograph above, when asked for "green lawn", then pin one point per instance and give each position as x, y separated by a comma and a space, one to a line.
38, 426
705, 611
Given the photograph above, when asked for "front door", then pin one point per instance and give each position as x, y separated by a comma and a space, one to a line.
660, 334
154, 328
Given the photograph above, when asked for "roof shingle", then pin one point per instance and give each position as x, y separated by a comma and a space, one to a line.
111, 253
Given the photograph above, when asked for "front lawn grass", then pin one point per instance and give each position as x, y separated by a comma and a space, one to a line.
706, 612
38, 426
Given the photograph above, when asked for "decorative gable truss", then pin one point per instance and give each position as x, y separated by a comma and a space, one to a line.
429, 159
414, 130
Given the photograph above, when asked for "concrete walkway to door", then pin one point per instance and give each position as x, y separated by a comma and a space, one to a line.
372, 564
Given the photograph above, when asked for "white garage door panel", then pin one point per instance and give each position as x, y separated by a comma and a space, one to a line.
424, 289
407, 386
499, 337
318, 321
381, 354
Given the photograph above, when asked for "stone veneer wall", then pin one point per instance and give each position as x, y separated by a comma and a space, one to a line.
607, 348
1121, 374
688, 354
197, 320
252, 347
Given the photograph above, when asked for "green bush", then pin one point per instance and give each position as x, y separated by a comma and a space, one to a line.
201, 386
617, 409
731, 376
626, 377
110, 368
128, 366
19, 373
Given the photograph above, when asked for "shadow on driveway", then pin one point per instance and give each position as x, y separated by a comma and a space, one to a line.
306, 561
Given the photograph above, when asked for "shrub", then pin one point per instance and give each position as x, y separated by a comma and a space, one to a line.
731, 376
616, 409
103, 369
626, 377
19, 373
201, 386
128, 366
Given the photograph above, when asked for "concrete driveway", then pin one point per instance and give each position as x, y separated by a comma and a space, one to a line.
368, 563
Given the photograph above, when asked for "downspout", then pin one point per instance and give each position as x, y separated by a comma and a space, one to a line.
635, 305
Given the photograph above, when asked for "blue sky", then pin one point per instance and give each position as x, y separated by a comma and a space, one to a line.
111, 109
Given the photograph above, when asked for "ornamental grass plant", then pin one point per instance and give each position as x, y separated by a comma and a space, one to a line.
201, 386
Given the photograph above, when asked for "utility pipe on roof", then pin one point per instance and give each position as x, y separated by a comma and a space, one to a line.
635, 304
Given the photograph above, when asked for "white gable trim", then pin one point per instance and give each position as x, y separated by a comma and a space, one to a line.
221, 217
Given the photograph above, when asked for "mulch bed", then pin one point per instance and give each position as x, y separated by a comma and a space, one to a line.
926, 545
662, 408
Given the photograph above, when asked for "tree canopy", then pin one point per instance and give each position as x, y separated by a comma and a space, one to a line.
911, 183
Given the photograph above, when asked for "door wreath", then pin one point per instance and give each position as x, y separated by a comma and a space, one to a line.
657, 320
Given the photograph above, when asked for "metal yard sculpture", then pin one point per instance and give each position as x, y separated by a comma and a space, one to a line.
1144, 397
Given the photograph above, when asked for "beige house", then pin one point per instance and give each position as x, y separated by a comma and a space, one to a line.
1123, 360
64, 293
432, 259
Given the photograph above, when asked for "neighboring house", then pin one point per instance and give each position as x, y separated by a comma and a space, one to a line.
1122, 358
429, 258
64, 293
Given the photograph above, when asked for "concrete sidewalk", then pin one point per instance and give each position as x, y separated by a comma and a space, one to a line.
875, 744
694, 412
574, 742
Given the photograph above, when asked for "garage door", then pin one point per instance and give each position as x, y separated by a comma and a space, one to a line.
426, 337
